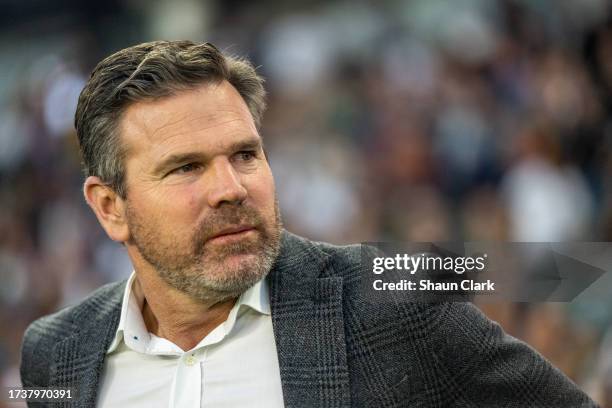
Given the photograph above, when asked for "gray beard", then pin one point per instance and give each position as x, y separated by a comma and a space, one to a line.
201, 275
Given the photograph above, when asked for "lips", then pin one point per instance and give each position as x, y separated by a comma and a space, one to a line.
232, 231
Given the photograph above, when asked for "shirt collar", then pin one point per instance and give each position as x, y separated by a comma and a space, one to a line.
131, 322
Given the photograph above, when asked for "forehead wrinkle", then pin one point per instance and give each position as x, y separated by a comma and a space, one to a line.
198, 145
199, 117
168, 124
219, 117
206, 129
136, 121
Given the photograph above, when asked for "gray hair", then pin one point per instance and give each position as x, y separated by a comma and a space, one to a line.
143, 72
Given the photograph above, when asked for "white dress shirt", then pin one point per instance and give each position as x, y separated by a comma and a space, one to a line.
235, 365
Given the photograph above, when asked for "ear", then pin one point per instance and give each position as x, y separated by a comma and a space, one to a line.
108, 206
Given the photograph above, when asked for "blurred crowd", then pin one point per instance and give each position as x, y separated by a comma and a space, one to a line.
424, 120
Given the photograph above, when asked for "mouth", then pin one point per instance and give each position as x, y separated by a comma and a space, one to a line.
232, 234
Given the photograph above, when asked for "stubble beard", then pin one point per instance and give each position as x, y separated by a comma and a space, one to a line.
207, 273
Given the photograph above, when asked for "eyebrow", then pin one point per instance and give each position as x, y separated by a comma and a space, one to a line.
183, 158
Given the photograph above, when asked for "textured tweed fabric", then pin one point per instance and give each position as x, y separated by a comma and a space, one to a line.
337, 347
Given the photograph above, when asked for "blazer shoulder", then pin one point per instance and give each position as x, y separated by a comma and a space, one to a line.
346, 259
42, 334
71, 318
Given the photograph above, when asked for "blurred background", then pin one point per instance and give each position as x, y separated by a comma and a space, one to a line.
423, 120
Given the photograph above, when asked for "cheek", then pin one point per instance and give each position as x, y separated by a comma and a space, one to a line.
179, 205
189, 200
262, 191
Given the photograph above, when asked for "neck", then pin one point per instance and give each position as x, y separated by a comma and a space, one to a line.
175, 316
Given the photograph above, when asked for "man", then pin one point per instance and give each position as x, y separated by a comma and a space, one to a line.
225, 308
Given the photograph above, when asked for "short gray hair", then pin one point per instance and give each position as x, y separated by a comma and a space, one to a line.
143, 72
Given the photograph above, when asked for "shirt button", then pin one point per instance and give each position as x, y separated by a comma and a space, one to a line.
190, 361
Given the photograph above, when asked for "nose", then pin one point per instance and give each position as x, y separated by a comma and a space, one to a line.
225, 184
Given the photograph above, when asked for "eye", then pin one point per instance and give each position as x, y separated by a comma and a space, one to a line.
246, 155
186, 168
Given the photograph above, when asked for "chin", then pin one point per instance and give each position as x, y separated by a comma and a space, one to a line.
233, 264
236, 274
241, 262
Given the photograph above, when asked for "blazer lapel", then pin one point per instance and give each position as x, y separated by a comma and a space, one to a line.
306, 306
78, 360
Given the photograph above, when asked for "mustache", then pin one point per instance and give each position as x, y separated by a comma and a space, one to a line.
226, 216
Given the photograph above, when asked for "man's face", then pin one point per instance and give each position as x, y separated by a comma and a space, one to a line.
201, 207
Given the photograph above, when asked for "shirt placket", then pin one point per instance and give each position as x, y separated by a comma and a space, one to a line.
186, 387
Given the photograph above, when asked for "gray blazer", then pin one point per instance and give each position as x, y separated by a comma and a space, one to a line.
336, 348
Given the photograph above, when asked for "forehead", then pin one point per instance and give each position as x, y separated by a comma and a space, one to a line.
210, 116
